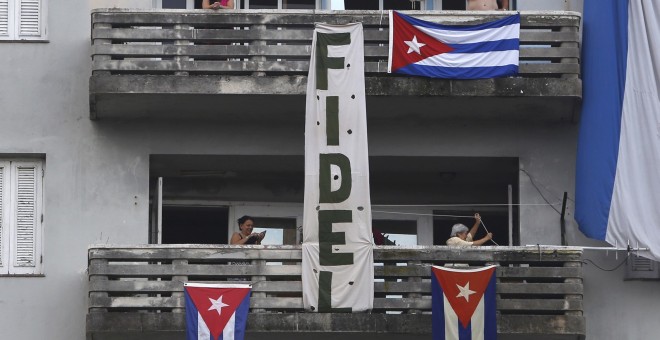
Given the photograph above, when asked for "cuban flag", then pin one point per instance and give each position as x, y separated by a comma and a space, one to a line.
617, 195
463, 303
422, 48
216, 311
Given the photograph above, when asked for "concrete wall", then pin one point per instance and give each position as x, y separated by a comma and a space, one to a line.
91, 183
97, 173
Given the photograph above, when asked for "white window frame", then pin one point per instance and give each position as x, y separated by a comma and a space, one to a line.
422, 4
13, 21
9, 206
317, 3
190, 4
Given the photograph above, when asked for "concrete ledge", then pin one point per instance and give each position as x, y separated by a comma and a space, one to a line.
109, 325
282, 98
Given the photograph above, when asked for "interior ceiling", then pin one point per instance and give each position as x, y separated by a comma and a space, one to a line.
234, 166
409, 180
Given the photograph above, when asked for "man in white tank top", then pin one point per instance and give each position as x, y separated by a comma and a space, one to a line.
486, 5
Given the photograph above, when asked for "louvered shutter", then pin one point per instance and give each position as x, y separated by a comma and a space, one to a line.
25, 248
29, 19
6, 24
4, 213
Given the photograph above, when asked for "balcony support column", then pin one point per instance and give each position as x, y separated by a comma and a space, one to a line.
415, 280
181, 58
96, 281
260, 265
259, 46
182, 279
569, 60
574, 280
96, 58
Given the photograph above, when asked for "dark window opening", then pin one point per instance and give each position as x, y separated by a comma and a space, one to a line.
261, 4
449, 5
362, 4
440, 185
195, 225
401, 5
174, 4
299, 4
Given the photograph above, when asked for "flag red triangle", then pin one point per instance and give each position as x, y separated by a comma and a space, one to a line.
216, 319
472, 283
403, 32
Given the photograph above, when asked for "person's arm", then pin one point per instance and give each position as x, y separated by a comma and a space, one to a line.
236, 238
483, 240
477, 223
505, 5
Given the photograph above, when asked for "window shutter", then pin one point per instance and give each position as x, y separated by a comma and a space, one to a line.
29, 19
4, 19
25, 252
4, 228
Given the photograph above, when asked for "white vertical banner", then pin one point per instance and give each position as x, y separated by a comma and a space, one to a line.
337, 249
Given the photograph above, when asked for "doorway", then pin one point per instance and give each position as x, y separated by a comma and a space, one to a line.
282, 222
194, 225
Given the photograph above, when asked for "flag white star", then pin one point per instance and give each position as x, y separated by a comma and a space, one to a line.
217, 305
414, 45
465, 291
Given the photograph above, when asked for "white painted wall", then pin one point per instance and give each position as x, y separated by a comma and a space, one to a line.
122, 4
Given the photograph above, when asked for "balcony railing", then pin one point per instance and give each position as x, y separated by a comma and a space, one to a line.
268, 43
174, 63
139, 289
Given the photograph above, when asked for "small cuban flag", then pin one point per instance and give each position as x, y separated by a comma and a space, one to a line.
463, 303
422, 48
216, 311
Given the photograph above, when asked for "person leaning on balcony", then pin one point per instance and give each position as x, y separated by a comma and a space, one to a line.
461, 237
487, 5
245, 234
222, 4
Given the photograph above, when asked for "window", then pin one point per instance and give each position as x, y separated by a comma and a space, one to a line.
23, 19
177, 4
399, 5
21, 223
279, 4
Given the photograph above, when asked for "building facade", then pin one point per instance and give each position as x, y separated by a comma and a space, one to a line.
154, 141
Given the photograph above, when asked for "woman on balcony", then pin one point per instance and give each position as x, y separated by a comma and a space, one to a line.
245, 234
222, 4
487, 5
461, 237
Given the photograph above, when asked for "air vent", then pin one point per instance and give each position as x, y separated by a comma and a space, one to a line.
641, 268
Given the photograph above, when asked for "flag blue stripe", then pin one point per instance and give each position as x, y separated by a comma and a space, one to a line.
191, 318
510, 20
486, 46
490, 309
459, 72
241, 318
437, 305
605, 47
464, 333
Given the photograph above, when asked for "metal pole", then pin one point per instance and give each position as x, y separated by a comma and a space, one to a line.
510, 200
562, 220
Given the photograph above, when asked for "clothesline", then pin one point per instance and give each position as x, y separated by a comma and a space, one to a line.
466, 205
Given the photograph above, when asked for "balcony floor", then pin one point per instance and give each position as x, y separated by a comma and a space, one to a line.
282, 98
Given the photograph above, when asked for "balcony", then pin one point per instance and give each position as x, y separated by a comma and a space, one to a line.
136, 292
252, 64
